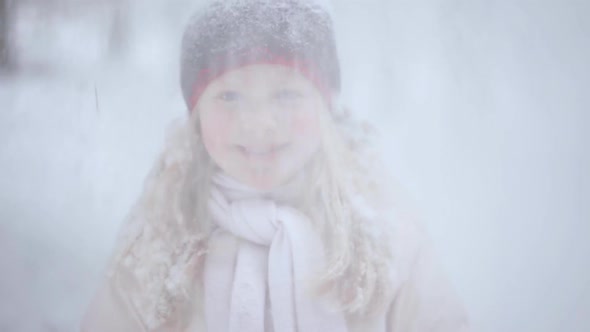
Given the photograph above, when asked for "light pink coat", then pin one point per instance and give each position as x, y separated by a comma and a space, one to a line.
424, 300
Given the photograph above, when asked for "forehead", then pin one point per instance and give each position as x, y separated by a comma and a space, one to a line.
261, 75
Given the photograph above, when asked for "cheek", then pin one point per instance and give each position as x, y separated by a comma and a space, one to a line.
216, 129
305, 127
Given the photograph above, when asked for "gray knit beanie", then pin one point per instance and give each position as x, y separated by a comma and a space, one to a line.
229, 34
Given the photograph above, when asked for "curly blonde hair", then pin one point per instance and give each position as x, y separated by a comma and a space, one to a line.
163, 242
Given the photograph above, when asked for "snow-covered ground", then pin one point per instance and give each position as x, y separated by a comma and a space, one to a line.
482, 106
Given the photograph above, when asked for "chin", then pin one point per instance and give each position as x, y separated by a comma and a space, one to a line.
264, 182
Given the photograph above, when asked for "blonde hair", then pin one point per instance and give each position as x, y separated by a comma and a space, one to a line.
163, 243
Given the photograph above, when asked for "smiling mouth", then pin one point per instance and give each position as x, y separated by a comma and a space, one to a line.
262, 152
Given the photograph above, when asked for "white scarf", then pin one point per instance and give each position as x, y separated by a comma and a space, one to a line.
277, 251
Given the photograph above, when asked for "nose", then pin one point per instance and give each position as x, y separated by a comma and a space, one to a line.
259, 118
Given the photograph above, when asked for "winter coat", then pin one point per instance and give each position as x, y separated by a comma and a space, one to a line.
424, 299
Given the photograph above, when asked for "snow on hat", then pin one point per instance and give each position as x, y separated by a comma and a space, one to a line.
230, 34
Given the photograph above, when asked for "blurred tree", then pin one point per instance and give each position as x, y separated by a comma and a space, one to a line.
119, 28
5, 19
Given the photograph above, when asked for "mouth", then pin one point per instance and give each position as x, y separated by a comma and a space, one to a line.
262, 152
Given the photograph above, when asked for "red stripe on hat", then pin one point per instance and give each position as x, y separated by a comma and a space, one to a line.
206, 75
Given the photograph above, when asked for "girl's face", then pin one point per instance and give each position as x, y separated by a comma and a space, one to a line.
261, 123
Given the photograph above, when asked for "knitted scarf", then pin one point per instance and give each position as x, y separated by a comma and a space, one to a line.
263, 258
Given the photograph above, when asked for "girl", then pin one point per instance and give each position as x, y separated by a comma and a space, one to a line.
265, 212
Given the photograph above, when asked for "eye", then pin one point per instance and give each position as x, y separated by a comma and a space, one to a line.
288, 95
229, 96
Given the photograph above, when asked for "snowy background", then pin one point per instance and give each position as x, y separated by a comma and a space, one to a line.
482, 106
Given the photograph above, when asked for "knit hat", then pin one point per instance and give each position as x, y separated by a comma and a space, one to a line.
227, 35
